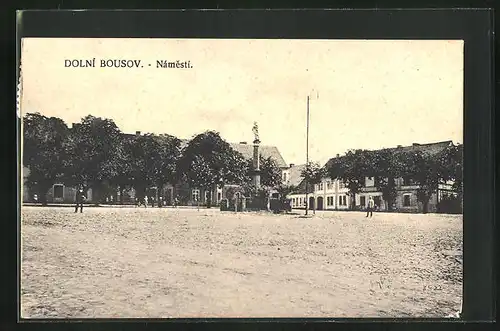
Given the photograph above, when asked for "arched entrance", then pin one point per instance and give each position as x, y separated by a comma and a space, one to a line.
320, 203
311, 203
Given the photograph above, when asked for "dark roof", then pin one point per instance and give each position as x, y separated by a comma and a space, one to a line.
247, 151
301, 188
265, 151
429, 148
295, 176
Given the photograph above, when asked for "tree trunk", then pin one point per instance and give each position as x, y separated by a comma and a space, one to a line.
96, 194
121, 195
43, 199
314, 205
425, 206
209, 200
43, 189
159, 186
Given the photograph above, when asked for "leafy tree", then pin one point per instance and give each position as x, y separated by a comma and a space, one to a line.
285, 190
124, 166
451, 165
43, 152
169, 152
209, 162
313, 174
270, 173
457, 169
387, 165
425, 169
352, 169
92, 149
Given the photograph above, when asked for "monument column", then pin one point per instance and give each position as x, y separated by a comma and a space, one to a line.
256, 156
256, 163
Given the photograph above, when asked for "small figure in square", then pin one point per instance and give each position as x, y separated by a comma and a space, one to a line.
35, 197
146, 201
371, 205
80, 198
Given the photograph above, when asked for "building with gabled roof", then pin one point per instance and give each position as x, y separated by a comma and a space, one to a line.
333, 195
61, 193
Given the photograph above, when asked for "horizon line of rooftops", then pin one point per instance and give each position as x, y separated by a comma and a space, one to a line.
291, 165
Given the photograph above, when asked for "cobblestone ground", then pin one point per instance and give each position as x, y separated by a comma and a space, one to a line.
157, 263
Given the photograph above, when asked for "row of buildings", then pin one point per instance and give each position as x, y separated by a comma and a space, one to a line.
327, 195
334, 195
61, 193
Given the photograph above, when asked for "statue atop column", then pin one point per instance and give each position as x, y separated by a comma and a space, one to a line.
255, 131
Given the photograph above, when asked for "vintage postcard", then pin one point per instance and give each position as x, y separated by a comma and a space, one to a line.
238, 178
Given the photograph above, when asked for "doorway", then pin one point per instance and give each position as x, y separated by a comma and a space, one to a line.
320, 203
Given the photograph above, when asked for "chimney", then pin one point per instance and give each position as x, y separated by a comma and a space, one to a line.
291, 165
399, 146
137, 133
338, 155
243, 142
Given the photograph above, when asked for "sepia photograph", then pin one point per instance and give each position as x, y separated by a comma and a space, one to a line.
241, 178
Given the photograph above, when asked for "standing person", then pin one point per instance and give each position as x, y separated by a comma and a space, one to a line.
35, 197
146, 201
80, 197
371, 205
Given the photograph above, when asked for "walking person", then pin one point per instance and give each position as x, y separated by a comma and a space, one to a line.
80, 197
371, 205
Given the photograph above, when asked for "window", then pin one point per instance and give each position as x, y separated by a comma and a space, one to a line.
207, 194
369, 181
320, 186
342, 200
219, 196
362, 201
407, 181
329, 201
406, 200
341, 185
196, 195
58, 191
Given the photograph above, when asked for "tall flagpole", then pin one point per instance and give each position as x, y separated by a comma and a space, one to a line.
307, 154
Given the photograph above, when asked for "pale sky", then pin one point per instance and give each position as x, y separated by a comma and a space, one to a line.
372, 94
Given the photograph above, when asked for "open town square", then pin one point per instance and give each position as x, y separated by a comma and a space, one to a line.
186, 262
263, 181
